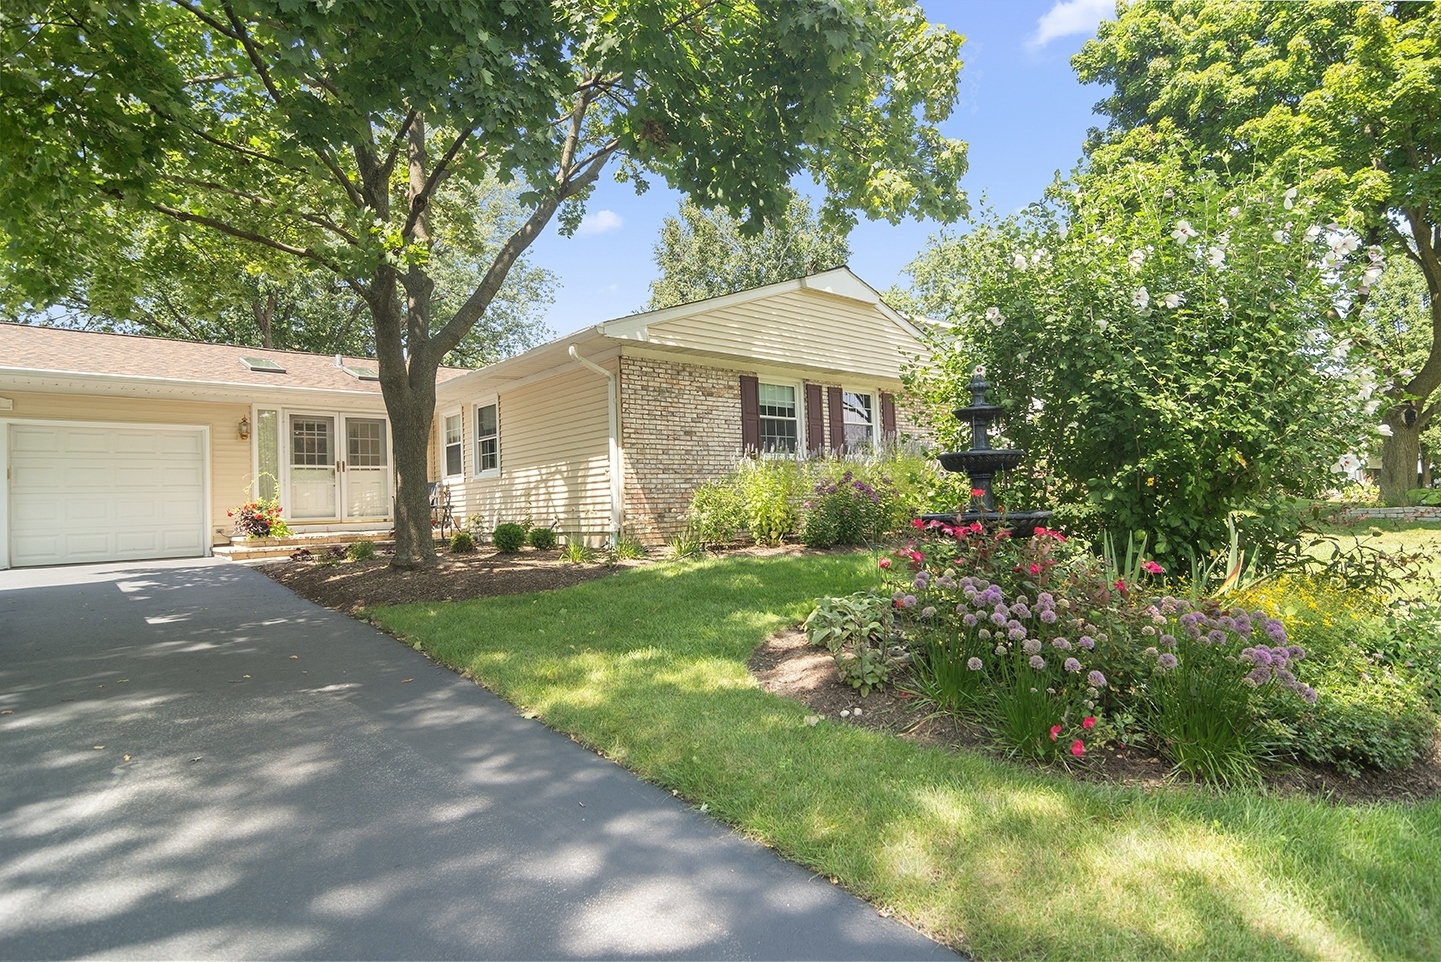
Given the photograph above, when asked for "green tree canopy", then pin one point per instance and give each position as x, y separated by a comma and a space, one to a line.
705, 253
1337, 100
324, 132
1167, 349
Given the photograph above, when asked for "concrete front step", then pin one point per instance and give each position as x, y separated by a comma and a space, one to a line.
254, 549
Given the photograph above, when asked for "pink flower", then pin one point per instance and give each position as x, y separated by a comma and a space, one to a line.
978, 492
885, 562
1088, 722
1035, 569
1055, 732
1120, 584
1078, 748
1152, 568
918, 523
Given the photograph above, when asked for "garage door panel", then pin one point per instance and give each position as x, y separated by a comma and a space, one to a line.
88, 494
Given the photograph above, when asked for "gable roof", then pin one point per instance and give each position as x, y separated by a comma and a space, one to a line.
52, 354
779, 314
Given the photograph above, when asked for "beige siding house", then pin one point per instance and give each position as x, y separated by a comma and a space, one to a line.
118, 448
614, 427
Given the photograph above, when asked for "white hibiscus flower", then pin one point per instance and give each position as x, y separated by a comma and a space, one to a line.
994, 315
1141, 299
1173, 301
1288, 199
1184, 232
1137, 258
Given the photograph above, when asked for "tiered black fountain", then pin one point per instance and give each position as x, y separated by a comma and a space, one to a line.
981, 464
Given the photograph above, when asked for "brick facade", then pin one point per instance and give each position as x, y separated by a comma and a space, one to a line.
680, 426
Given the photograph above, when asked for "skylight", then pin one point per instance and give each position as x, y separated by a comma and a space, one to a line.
263, 364
362, 373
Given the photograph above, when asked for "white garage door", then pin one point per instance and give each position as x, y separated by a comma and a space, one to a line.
89, 493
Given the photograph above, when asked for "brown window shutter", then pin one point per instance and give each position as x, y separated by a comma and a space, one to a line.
838, 419
888, 416
750, 415
815, 420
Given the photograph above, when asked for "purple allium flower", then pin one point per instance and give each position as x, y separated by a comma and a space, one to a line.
945, 582
1148, 630
1243, 626
922, 579
928, 611
1226, 622
1017, 633
1060, 644
1071, 665
1044, 601
1275, 630
909, 601
969, 620
897, 595
1037, 662
1258, 675
1167, 660
1168, 640
974, 664
1019, 610
1031, 646
1086, 642
1216, 636
1096, 679
1022, 600
1150, 653
1296, 652
1000, 649
983, 633
1285, 677
997, 619
1048, 616
1308, 694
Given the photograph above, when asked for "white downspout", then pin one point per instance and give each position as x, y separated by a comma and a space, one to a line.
615, 461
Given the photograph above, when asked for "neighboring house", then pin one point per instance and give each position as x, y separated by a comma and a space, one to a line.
614, 427
118, 448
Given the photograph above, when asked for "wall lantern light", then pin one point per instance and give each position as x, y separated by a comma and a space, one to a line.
245, 428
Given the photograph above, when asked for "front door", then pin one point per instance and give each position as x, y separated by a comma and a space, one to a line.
314, 468
365, 470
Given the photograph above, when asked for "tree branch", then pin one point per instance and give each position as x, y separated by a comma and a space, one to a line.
319, 221
421, 200
192, 218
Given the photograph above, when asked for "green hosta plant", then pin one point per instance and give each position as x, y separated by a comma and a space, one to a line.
857, 630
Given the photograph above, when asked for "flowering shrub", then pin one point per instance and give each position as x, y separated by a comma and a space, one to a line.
1038, 644
260, 519
844, 511
1210, 329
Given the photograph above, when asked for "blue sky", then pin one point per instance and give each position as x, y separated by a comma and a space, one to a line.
1021, 111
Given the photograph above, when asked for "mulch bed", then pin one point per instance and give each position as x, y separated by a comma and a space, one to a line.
787, 665
352, 586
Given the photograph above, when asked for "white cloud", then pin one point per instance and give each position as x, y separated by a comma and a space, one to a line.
600, 222
1069, 17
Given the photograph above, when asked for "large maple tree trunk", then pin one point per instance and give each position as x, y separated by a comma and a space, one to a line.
410, 420
1398, 462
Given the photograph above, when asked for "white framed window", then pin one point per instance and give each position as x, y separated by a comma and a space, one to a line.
859, 418
487, 439
780, 418
453, 445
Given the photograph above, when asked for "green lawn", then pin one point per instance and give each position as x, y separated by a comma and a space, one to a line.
1418, 539
649, 668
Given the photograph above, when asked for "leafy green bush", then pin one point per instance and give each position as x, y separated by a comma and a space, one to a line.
508, 537
462, 542
717, 512
1425, 496
846, 511
1354, 727
543, 539
770, 489
361, 551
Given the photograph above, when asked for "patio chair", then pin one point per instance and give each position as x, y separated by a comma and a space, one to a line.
441, 513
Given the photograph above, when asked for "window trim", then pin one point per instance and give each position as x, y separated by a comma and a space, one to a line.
875, 411
478, 471
799, 394
444, 465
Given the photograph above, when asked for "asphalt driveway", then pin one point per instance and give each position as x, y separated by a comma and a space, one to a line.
198, 764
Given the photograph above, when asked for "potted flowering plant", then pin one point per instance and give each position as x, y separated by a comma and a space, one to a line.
260, 518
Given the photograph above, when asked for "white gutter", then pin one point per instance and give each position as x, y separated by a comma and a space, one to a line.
612, 395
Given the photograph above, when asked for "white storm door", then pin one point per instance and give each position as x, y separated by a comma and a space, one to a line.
313, 468
365, 475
